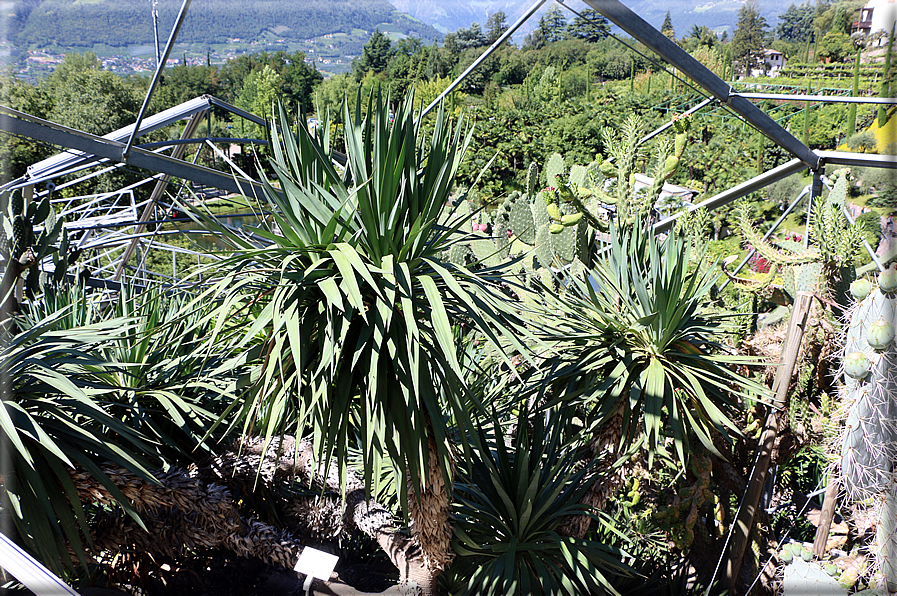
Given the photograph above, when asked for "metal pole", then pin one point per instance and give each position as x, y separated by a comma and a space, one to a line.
495, 45
158, 74
177, 153
156, 32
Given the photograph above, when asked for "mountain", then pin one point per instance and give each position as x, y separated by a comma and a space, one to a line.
70, 23
718, 15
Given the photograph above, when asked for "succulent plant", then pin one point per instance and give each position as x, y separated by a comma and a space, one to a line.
860, 288
869, 443
825, 267
28, 236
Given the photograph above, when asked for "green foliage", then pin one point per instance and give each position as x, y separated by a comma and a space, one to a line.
750, 37
796, 23
553, 25
509, 502
213, 21
353, 302
636, 337
375, 55
870, 225
260, 89
589, 25
296, 80
52, 420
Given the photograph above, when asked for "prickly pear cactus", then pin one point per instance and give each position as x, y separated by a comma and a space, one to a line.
869, 443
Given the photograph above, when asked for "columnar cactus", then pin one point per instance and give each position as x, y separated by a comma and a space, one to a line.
825, 267
869, 444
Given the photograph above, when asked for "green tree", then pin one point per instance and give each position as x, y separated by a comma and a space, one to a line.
438, 63
796, 23
887, 80
750, 37
361, 314
859, 43
667, 27
187, 82
496, 25
470, 37
260, 89
553, 25
89, 98
374, 57
834, 46
17, 152
589, 25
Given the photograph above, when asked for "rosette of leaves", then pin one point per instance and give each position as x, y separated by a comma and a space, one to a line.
353, 314
511, 496
637, 337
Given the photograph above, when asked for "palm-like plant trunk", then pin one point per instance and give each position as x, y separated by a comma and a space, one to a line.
419, 559
605, 480
429, 513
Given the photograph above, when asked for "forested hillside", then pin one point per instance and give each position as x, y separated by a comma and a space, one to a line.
72, 23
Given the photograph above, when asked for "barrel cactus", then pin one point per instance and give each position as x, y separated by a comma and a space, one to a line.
869, 443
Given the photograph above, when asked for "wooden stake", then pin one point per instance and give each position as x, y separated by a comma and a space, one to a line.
826, 516
747, 513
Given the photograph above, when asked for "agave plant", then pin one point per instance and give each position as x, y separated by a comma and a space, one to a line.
511, 496
356, 312
638, 348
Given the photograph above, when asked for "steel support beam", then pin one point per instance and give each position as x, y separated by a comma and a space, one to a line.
654, 40
820, 98
177, 153
19, 123
160, 66
736, 192
869, 160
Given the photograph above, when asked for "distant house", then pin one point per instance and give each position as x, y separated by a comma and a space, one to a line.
875, 16
772, 61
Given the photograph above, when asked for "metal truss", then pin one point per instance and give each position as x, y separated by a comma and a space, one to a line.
116, 233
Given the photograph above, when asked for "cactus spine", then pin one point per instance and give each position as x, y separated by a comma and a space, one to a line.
869, 443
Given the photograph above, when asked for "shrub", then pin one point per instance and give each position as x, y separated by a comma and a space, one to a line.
862, 141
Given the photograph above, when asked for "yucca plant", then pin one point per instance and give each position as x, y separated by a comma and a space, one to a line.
52, 422
159, 375
639, 349
354, 311
511, 497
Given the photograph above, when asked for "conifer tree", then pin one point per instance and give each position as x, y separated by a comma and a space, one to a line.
887, 75
553, 25
750, 37
667, 27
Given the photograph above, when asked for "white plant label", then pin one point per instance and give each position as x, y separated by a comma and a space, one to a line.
316, 563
